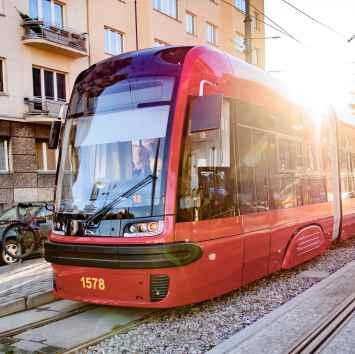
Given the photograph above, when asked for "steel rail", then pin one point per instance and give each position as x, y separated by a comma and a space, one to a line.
321, 335
115, 331
60, 316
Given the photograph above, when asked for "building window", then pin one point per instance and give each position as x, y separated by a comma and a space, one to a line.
113, 41
168, 7
4, 156
159, 43
51, 12
46, 158
256, 21
2, 75
239, 43
190, 23
48, 84
240, 5
211, 34
255, 56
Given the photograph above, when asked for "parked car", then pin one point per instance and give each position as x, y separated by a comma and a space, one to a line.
40, 213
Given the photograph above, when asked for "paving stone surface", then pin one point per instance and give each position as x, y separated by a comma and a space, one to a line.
88, 325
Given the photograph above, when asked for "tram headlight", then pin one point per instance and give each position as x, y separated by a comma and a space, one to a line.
151, 228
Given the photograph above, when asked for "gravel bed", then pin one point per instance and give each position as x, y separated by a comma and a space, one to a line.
198, 328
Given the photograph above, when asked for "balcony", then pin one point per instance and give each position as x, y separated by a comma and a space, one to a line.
42, 110
60, 40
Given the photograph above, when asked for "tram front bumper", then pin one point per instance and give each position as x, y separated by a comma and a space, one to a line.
123, 256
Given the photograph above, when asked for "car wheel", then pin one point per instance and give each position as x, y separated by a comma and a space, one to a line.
12, 248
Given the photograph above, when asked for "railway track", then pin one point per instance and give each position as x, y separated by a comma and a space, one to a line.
66, 326
318, 339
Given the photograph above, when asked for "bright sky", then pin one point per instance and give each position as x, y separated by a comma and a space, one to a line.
325, 63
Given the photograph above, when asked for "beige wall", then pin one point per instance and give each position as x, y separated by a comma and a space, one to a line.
153, 25
92, 16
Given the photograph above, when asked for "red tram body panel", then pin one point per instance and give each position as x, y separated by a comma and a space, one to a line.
233, 210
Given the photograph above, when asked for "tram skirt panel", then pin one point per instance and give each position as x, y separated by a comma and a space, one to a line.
306, 244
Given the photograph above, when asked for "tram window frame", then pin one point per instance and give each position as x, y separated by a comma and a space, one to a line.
196, 199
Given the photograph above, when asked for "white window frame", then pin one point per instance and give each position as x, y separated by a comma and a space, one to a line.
213, 28
240, 5
4, 81
107, 41
6, 151
239, 42
256, 20
45, 158
255, 56
40, 11
189, 14
55, 88
167, 7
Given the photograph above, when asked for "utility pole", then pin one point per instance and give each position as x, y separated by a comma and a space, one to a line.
136, 23
247, 30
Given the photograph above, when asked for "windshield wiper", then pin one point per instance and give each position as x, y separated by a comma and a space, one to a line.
95, 219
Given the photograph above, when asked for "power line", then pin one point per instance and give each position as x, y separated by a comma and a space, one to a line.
314, 19
280, 28
275, 25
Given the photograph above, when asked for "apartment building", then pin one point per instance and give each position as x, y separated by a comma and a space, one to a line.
44, 44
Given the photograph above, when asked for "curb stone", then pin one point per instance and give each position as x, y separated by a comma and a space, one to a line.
40, 298
26, 303
12, 307
246, 340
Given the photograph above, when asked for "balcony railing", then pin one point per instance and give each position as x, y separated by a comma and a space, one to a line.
45, 107
70, 41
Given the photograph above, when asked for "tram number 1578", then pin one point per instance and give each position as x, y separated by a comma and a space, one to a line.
92, 283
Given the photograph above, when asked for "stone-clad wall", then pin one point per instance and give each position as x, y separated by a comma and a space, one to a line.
23, 182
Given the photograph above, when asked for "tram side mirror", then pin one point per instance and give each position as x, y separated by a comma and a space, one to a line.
205, 113
54, 134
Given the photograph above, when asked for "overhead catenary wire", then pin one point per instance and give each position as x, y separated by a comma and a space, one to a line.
304, 13
280, 31
274, 26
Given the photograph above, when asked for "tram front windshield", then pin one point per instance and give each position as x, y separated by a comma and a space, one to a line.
114, 137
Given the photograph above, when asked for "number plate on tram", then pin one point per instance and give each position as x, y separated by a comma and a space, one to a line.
93, 283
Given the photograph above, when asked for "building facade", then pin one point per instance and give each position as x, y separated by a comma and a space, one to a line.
45, 44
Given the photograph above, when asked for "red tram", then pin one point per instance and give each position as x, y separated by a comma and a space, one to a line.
185, 173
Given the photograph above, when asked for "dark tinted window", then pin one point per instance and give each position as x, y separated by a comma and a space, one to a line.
1, 76
61, 86
36, 76
281, 160
49, 84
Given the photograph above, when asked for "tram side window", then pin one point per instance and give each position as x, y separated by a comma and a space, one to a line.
246, 192
207, 177
256, 165
290, 155
347, 161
